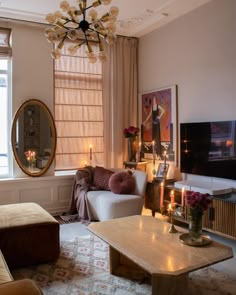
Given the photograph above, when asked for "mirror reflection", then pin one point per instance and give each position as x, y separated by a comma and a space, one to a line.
33, 137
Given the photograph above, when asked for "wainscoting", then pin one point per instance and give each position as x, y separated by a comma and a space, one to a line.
50, 192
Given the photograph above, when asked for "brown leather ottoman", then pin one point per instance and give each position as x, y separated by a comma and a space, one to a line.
28, 235
20, 287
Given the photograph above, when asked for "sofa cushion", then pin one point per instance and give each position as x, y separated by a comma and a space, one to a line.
106, 205
101, 178
122, 182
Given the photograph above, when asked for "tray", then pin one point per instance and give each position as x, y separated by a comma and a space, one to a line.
187, 240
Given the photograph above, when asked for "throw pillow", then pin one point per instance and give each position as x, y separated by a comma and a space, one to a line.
101, 178
122, 182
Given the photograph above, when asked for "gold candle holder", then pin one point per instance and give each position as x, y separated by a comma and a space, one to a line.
172, 229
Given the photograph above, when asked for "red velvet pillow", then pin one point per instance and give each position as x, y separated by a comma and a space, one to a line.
122, 182
101, 178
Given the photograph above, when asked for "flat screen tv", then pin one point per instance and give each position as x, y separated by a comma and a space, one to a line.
208, 148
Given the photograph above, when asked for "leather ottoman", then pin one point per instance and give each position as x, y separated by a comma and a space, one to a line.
28, 235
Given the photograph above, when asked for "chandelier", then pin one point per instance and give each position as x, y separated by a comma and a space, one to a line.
83, 27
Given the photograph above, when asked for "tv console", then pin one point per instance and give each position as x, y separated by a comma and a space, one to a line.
212, 189
220, 218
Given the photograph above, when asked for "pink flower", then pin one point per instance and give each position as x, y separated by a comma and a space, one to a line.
197, 200
131, 131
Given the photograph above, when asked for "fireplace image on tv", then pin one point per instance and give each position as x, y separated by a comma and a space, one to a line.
208, 149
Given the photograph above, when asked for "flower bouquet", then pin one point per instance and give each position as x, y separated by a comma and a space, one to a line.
198, 203
131, 133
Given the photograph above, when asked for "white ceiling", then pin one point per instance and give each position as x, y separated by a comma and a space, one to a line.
136, 17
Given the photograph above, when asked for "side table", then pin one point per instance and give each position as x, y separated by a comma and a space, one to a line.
152, 197
136, 165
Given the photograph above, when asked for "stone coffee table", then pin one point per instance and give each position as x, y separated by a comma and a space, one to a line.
141, 245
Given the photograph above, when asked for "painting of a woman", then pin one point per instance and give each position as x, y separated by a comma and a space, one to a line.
157, 122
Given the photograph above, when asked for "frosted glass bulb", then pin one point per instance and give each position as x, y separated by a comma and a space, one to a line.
89, 54
51, 37
92, 35
57, 14
65, 6
48, 31
110, 39
93, 14
106, 2
101, 58
93, 59
72, 35
56, 53
111, 26
72, 50
114, 11
51, 18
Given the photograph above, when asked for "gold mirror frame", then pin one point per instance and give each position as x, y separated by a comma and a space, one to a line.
29, 118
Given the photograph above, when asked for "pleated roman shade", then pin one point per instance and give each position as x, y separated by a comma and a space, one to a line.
78, 111
5, 46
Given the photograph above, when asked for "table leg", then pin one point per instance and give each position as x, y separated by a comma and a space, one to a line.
169, 285
121, 266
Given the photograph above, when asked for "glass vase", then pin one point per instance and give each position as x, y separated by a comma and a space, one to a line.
132, 149
195, 227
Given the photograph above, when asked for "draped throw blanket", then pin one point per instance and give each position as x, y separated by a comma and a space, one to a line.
83, 182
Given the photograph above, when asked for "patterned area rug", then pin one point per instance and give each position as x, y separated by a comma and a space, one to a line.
83, 269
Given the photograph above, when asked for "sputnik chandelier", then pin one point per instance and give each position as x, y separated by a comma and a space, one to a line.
82, 27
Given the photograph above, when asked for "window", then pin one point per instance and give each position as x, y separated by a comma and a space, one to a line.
5, 102
78, 111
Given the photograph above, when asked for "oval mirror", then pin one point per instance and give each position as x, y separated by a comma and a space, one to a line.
33, 137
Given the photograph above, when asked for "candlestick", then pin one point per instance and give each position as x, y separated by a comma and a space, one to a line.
165, 154
90, 152
161, 194
182, 196
153, 151
140, 153
172, 229
172, 197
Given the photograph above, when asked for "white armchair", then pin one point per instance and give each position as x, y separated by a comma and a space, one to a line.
106, 205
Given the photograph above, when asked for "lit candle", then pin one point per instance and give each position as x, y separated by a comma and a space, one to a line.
153, 151
140, 154
172, 197
85, 163
90, 152
165, 159
169, 208
161, 194
182, 197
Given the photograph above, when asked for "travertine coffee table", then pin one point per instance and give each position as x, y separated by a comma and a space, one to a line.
143, 242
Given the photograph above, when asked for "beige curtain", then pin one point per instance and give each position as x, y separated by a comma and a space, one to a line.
120, 97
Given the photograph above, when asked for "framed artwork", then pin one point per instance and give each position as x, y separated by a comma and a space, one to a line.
159, 125
160, 171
